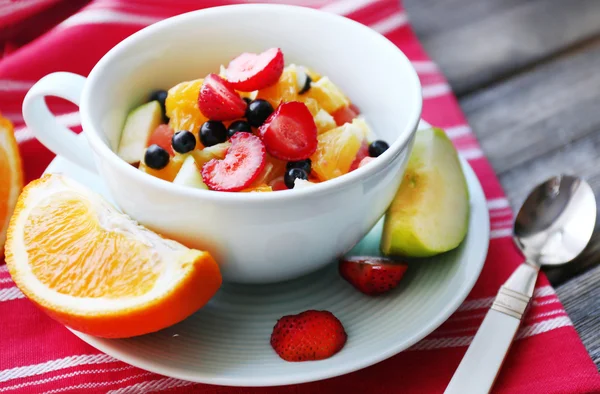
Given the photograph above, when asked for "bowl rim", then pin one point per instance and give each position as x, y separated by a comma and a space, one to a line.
98, 144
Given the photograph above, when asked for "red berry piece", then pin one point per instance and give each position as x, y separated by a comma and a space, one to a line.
310, 335
218, 100
290, 132
249, 71
243, 162
162, 137
363, 152
372, 275
344, 115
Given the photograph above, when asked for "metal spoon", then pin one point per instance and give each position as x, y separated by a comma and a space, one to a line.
553, 227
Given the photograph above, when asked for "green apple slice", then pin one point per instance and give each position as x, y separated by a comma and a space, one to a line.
139, 125
430, 212
189, 174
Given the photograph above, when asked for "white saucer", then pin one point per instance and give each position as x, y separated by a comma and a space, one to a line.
227, 342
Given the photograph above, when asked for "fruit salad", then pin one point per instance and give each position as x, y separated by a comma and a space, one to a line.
256, 126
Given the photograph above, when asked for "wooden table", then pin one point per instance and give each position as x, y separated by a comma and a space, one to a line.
527, 75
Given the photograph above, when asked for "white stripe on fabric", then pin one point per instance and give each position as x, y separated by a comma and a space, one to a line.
152, 386
100, 16
3, 268
64, 376
457, 131
88, 386
69, 120
425, 66
54, 365
391, 23
435, 90
345, 7
544, 291
524, 332
501, 233
6, 280
471, 154
7, 85
12, 293
497, 203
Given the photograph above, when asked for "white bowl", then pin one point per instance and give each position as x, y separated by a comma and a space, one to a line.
256, 237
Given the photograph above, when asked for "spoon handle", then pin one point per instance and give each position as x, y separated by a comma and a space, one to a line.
484, 357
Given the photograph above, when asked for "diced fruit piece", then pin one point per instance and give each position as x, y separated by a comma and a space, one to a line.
96, 270
312, 105
183, 142
212, 133
329, 96
11, 175
336, 151
278, 184
363, 152
258, 111
302, 164
243, 162
182, 106
324, 121
311, 73
344, 115
430, 212
167, 173
156, 157
372, 275
259, 188
368, 133
290, 132
284, 90
161, 97
162, 136
302, 183
219, 101
139, 125
213, 152
292, 174
365, 161
376, 148
310, 335
239, 126
273, 168
189, 174
250, 71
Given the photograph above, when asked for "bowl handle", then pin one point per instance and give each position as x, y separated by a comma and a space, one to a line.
45, 126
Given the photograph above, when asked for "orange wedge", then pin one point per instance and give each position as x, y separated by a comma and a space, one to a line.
95, 269
11, 176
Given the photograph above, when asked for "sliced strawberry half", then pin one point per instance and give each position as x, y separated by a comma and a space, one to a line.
363, 152
218, 100
290, 132
162, 137
243, 162
310, 335
251, 71
345, 115
372, 275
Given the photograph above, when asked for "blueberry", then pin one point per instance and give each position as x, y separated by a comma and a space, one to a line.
161, 97
183, 141
258, 111
212, 133
239, 125
156, 157
292, 174
306, 86
302, 164
376, 148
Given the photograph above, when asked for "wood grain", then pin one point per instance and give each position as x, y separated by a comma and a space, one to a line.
477, 42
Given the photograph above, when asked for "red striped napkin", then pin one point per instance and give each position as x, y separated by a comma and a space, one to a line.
39, 355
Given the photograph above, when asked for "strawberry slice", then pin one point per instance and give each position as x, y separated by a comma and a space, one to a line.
290, 132
249, 71
363, 152
372, 275
162, 136
218, 100
345, 115
310, 335
243, 162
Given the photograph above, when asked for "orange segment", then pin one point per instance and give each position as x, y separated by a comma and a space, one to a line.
336, 151
169, 172
11, 176
259, 188
96, 270
286, 89
328, 95
182, 106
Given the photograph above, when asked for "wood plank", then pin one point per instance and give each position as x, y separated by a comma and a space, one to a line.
580, 298
477, 42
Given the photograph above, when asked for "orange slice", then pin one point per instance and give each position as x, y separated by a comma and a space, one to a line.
284, 90
182, 106
11, 176
336, 150
98, 271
